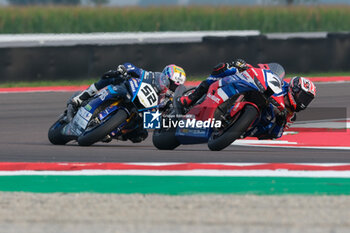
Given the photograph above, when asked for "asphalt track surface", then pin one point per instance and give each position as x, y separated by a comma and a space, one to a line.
26, 117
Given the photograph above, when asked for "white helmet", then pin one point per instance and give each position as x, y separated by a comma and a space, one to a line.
175, 74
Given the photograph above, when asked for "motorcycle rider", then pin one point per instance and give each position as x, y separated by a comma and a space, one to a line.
275, 118
297, 95
164, 83
222, 70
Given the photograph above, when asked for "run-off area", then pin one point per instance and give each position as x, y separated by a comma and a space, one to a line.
90, 213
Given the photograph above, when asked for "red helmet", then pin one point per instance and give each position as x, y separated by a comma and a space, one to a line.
300, 93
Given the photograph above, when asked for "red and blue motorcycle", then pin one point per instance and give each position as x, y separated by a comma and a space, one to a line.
231, 107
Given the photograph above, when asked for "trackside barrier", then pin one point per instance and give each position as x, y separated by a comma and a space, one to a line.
298, 54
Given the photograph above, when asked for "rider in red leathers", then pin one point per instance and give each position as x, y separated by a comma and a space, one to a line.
280, 114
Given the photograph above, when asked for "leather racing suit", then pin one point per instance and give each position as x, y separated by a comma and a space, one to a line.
273, 120
136, 133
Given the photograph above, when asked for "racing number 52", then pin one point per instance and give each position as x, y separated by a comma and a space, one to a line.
150, 95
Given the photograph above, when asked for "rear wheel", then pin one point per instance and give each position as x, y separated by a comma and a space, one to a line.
222, 139
100, 131
165, 139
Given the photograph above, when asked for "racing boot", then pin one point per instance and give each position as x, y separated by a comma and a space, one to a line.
74, 102
86, 94
186, 101
107, 139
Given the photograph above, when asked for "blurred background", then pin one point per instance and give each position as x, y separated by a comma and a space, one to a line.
170, 2
80, 39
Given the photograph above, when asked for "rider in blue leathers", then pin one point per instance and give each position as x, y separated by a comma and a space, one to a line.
273, 120
161, 81
164, 83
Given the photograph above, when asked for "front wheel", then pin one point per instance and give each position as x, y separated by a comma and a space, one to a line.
99, 132
55, 133
218, 142
165, 139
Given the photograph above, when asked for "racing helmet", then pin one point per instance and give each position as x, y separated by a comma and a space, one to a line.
275, 68
301, 92
175, 74
161, 83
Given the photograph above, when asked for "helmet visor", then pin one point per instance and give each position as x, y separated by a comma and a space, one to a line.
303, 99
162, 83
173, 85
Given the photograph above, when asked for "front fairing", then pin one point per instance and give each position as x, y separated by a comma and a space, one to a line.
193, 135
144, 95
278, 99
84, 114
237, 84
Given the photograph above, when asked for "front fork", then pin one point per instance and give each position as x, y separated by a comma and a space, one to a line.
237, 108
122, 128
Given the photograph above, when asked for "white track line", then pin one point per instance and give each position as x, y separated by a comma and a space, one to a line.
296, 147
209, 173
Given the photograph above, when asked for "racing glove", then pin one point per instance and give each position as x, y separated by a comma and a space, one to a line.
240, 64
119, 72
281, 118
121, 69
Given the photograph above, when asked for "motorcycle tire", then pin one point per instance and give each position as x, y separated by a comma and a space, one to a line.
165, 139
102, 130
55, 136
241, 125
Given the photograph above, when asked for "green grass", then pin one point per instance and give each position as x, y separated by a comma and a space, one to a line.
176, 185
132, 19
90, 81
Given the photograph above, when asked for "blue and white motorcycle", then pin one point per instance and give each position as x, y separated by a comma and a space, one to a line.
113, 112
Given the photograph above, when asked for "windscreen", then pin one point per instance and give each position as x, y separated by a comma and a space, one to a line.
277, 69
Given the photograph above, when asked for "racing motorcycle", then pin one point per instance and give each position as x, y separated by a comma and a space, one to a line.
113, 112
234, 102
